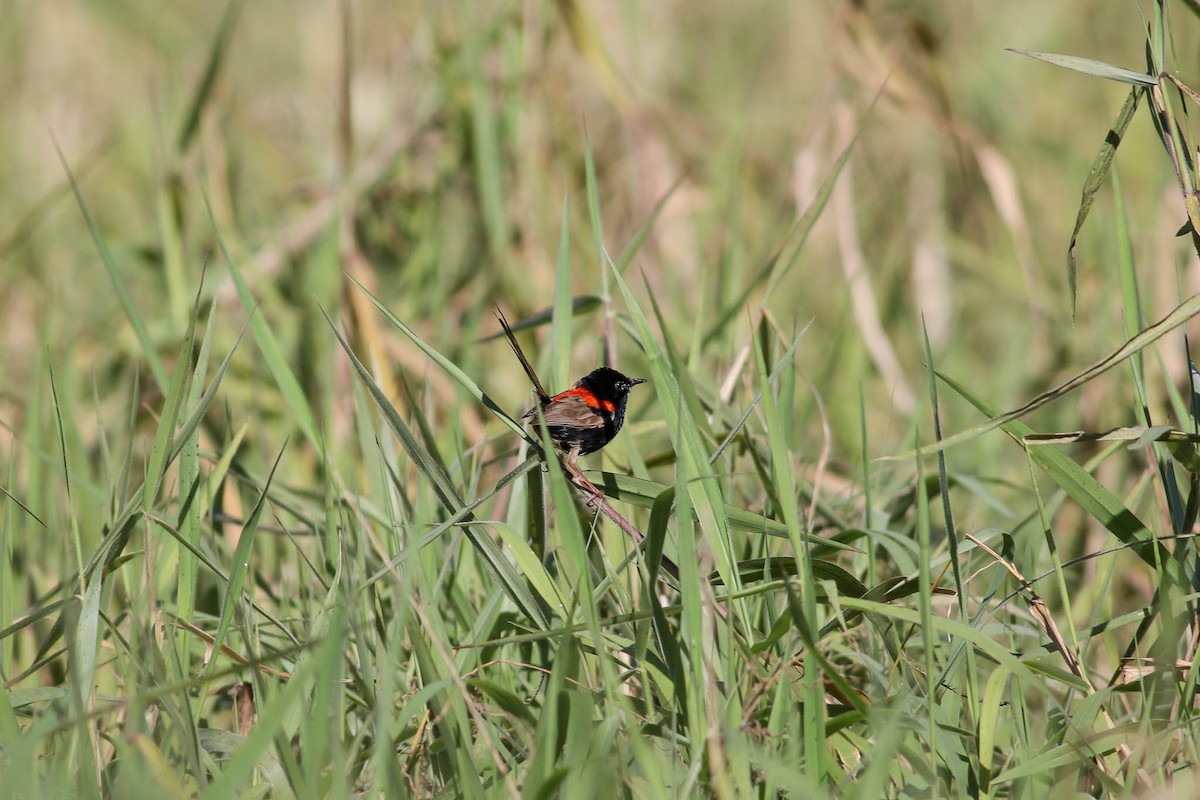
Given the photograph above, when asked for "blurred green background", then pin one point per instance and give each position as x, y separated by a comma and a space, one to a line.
438, 153
466, 124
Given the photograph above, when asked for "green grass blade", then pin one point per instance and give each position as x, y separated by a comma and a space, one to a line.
149, 351
531, 566
204, 91
236, 774
1183, 312
643, 493
989, 724
970, 672
201, 407
156, 469
1084, 490
241, 565
1090, 66
453, 370
704, 490
929, 639
1101, 165
192, 515
272, 351
783, 477
668, 644
512, 581
83, 642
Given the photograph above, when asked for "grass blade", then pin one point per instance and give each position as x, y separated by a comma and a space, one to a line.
451, 369
204, 91
1090, 66
1086, 491
149, 351
1177, 317
512, 581
1101, 165
241, 565
272, 352
236, 773
156, 469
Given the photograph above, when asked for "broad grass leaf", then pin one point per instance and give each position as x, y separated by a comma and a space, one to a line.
1090, 66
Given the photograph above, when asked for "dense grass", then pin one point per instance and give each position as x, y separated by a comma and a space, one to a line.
268, 524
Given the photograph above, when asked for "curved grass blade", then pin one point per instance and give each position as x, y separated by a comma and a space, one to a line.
1073, 752
216, 57
170, 414
643, 493
1101, 166
270, 348
114, 275
451, 369
447, 495
533, 568
1085, 490
951, 627
1148, 336
241, 564
753, 570
1090, 66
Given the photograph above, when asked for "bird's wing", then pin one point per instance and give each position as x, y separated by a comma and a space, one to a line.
571, 409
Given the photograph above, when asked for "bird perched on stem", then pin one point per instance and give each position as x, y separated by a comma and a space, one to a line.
587, 416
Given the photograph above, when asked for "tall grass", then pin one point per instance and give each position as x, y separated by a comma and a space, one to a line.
924, 457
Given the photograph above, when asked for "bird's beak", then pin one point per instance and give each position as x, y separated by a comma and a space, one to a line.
636, 381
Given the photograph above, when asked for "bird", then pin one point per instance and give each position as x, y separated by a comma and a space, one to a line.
584, 418
587, 416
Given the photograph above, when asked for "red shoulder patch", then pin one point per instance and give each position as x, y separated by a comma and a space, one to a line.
588, 398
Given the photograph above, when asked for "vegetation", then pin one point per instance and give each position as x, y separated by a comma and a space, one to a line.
920, 432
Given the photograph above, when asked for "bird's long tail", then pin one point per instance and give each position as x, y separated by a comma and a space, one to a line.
543, 395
